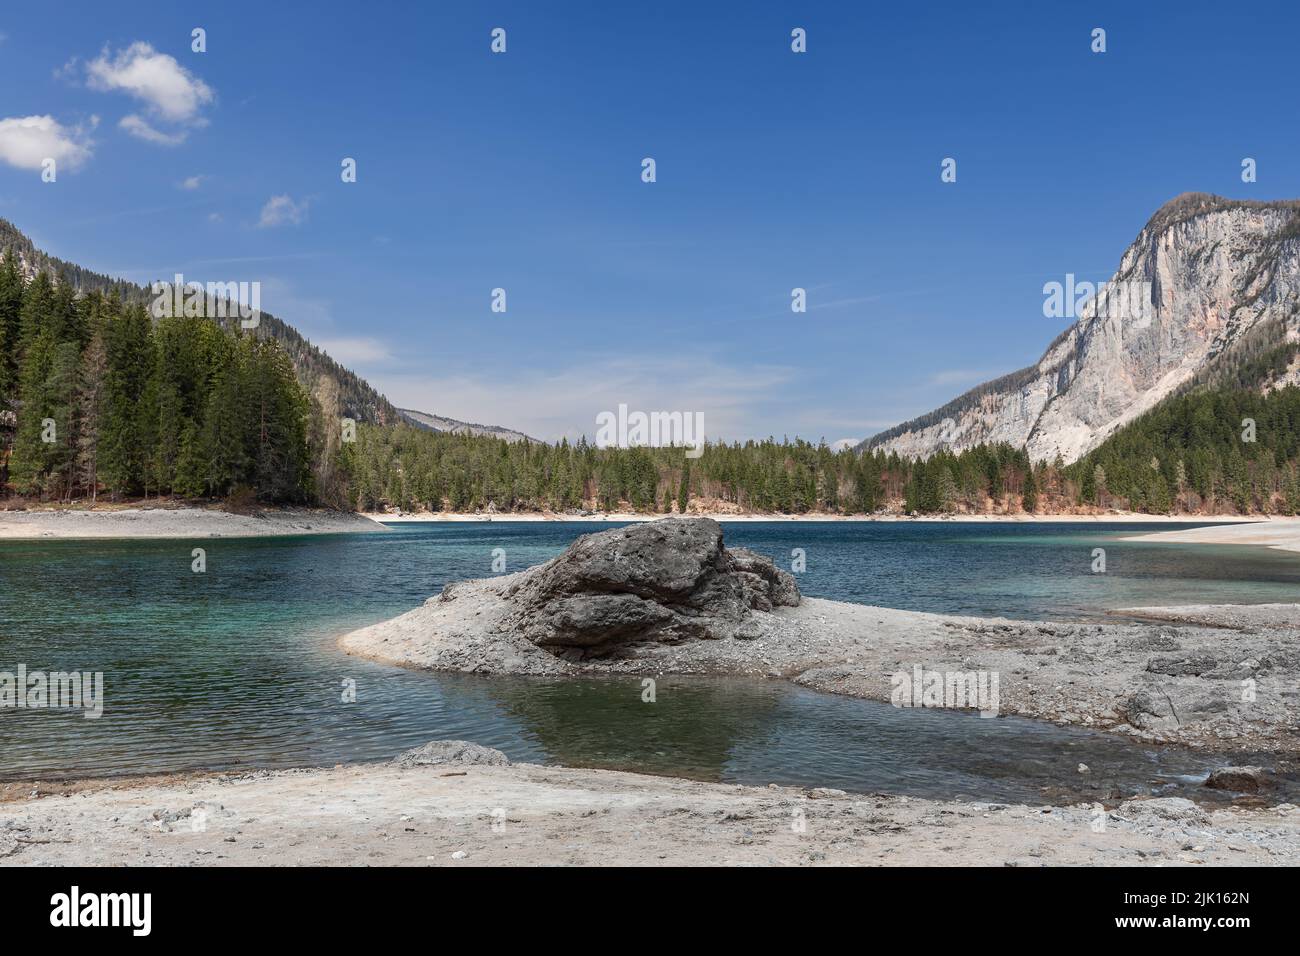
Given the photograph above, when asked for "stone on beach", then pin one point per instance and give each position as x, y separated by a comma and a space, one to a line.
459, 753
663, 582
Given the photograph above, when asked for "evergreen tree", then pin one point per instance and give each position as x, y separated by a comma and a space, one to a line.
1029, 498
123, 451
90, 408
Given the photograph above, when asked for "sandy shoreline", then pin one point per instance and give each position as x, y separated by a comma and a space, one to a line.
189, 522
1282, 534
179, 523
528, 815
725, 518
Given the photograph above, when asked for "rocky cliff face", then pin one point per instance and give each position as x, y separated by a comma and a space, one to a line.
440, 423
1219, 281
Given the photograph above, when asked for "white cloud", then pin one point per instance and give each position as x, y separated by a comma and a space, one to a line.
140, 129
214, 217
282, 210
171, 92
27, 141
192, 182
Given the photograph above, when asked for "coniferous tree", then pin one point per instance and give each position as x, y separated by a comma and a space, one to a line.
90, 410
1029, 498
123, 448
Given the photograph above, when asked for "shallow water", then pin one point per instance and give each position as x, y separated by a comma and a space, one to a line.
238, 667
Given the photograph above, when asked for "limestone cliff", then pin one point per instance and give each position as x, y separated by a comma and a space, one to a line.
1219, 281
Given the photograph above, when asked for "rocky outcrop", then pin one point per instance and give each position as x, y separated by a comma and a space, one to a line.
662, 582
1218, 279
440, 423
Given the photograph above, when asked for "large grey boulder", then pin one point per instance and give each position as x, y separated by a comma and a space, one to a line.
664, 581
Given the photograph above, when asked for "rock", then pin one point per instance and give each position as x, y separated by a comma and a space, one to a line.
661, 582
1149, 710
1182, 666
459, 855
1083, 768
460, 753
1239, 779
1162, 810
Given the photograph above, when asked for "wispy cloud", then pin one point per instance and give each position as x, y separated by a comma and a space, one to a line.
192, 182
282, 211
140, 129
564, 403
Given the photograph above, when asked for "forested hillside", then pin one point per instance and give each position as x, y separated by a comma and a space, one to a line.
1209, 451
95, 395
334, 385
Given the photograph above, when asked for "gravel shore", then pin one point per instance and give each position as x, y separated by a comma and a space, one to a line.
179, 523
467, 815
1219, 678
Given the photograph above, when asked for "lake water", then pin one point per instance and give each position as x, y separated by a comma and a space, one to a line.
237, 667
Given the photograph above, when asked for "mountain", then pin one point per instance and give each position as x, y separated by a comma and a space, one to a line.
436, 423
1207, 294
341, 392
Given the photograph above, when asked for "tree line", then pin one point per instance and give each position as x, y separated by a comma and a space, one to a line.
1207, 452
407, 468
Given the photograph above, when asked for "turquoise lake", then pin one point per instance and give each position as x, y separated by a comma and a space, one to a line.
237, 667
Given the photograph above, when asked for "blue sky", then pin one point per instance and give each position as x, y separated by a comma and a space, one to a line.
522, 171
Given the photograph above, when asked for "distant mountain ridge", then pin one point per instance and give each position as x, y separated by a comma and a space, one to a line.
340, 390
1224, 284
438, 423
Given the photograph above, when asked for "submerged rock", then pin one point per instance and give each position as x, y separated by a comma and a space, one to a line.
1240, 779
664, 581
451, 753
